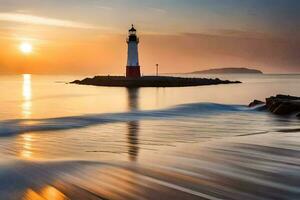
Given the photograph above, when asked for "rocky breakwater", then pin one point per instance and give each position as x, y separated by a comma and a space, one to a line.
280, 105
150, 81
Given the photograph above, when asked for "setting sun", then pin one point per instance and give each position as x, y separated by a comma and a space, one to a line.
25, 47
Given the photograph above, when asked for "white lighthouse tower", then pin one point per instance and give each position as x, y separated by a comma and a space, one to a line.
133, 67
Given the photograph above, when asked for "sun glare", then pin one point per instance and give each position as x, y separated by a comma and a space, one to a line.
26, 48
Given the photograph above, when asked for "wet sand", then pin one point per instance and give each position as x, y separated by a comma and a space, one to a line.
245, 167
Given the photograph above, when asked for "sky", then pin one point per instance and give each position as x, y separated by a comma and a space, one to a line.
89, 36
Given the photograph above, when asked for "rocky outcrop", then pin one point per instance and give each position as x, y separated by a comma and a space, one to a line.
256, 103
150, 81
283, 104
280, 104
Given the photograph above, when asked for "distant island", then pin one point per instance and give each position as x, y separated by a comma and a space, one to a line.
229, 71
150, 81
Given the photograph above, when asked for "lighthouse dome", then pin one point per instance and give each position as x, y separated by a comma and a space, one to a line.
132, 29
132, 35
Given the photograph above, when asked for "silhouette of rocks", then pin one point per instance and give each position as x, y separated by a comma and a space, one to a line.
150, 81
283, 104
256, 103
280, 104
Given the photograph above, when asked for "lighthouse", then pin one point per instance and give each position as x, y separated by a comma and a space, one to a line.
133, 67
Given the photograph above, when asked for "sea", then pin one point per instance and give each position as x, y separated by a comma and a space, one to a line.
64, 141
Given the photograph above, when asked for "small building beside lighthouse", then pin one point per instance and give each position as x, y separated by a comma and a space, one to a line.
133, 67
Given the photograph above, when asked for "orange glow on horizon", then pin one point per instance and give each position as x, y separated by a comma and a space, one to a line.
62, 52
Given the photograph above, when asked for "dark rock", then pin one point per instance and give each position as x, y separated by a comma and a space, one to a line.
280, 105
150, 81
76, 81
283, 104
256, 103
286, 108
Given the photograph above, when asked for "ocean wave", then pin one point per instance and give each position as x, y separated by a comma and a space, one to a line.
16, 126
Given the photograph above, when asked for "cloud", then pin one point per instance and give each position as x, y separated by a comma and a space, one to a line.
37, 20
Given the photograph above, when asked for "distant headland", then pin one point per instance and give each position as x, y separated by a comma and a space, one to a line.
231, 70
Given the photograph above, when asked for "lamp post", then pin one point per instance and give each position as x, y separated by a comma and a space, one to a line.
156, 69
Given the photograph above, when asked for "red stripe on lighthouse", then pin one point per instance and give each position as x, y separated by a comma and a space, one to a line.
133, 72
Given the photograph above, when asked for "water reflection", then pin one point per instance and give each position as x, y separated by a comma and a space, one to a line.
26, 149
133, 126
48, 192
27, 96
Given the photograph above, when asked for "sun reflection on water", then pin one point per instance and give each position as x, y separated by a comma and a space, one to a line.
26, 152
27, 96
48, 192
